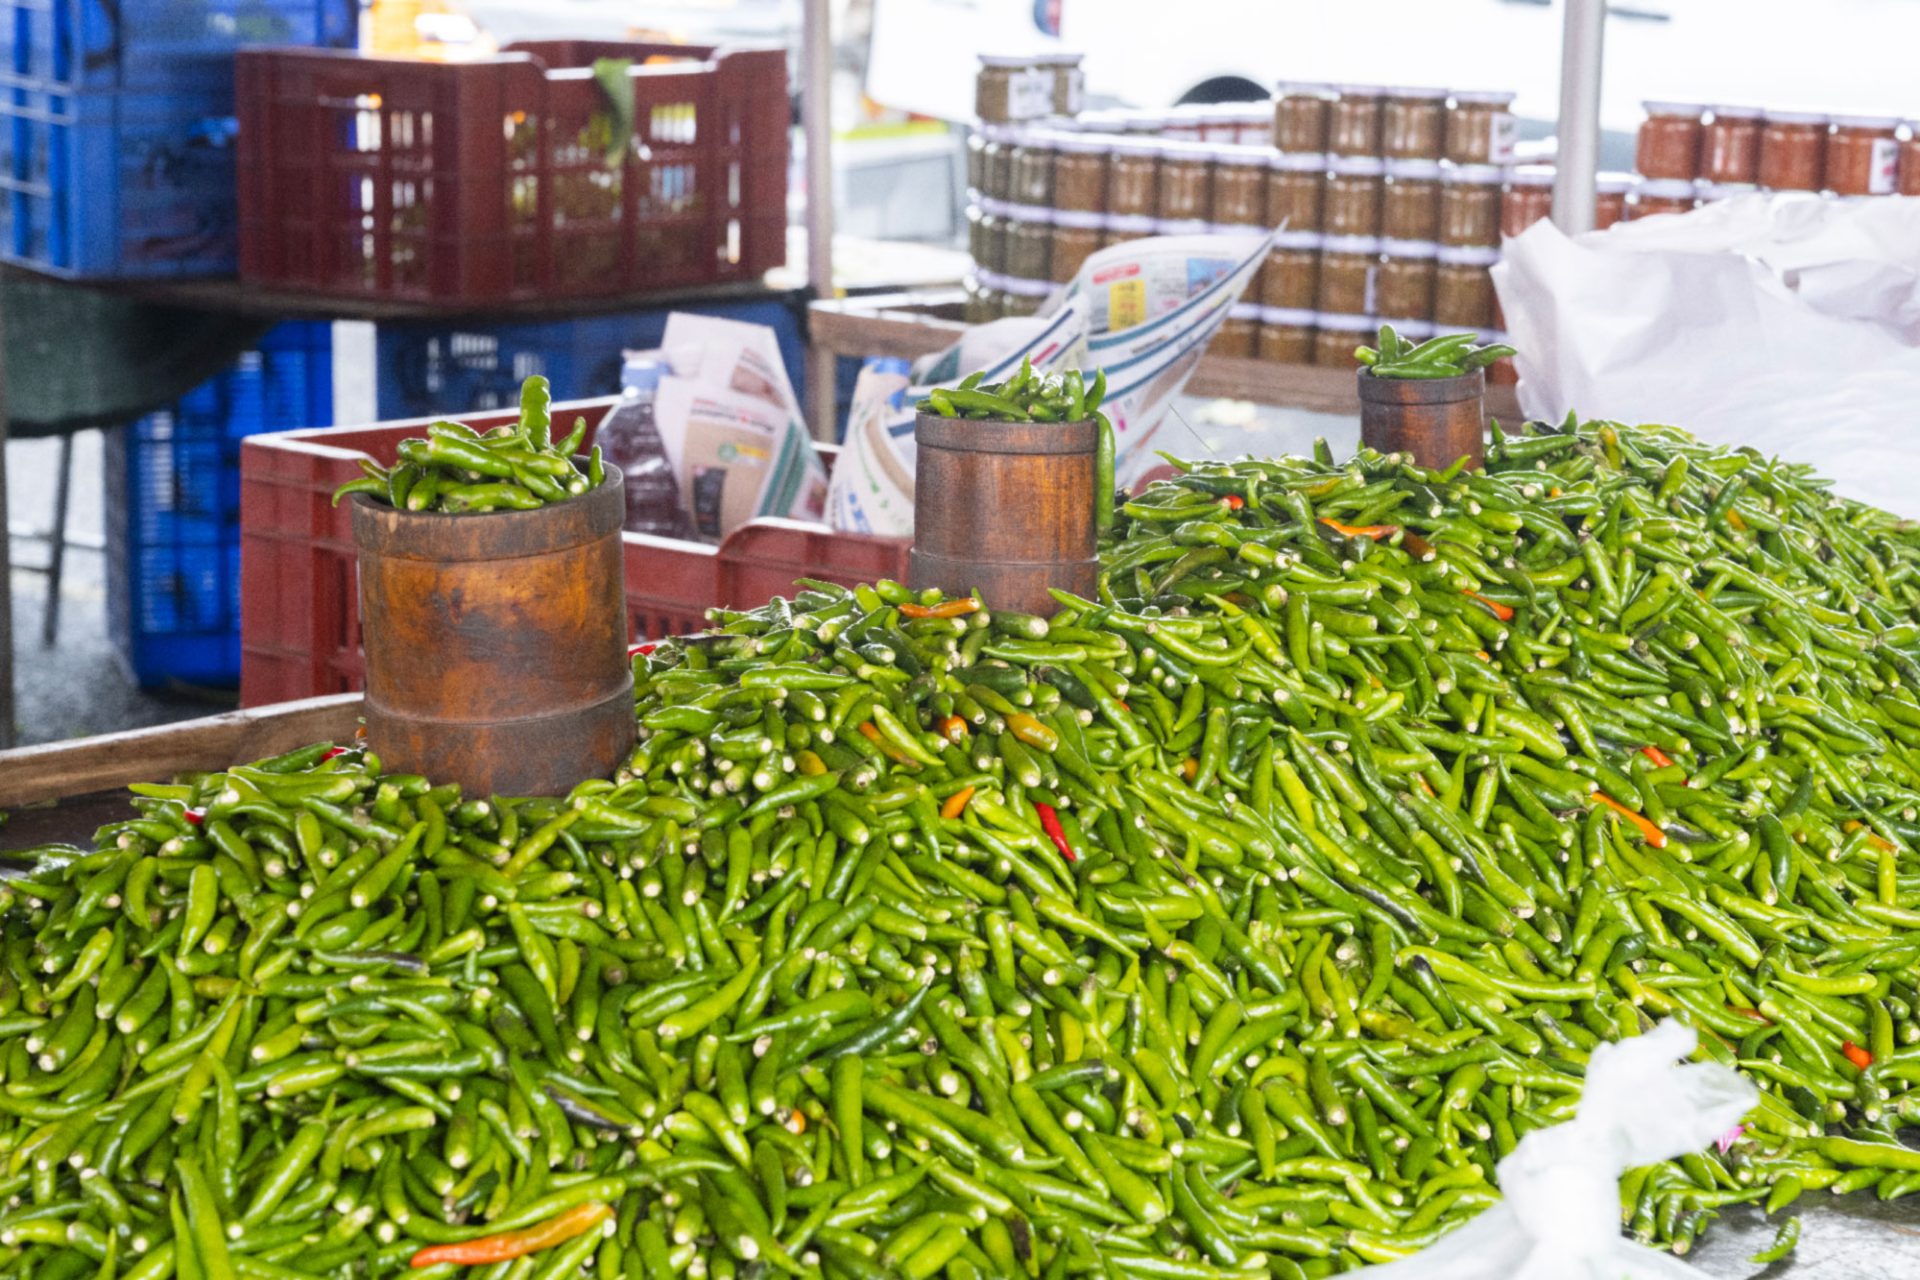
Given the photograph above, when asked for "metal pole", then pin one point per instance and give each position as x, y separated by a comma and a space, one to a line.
1581, 51
816, 121
6, 565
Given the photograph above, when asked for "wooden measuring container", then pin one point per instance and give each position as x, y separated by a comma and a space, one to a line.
1435, 419
496, 643
1005, 508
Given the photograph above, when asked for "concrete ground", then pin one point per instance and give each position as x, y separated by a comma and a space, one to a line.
78, 687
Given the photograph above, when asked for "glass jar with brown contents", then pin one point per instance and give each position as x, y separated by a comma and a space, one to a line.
1668, 145
1290, 278
1025, 297
1463, 287
1528, 199
976, 158
1664, 195
1237, 333
1033, 168
1296, 190
1253, 125
1077, 236
1080, 162
987, 235
1793, 151
1011, 88
1910, 160
1338, 335
992, 293
1353, 121
1413, 124
1240, 185
1410, 205
1349, 268
1480, 127
1069, 82
1863, 156
1470, 205
1354, 189
1300, 116
1118, 228
1286, 336
1730, 146
1132, 175
1404, 286
996, 162
1610, 199
981, 305
1029, 242
1186, 178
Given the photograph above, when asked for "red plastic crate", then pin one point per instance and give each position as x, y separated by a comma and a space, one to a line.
474, 182
299, 597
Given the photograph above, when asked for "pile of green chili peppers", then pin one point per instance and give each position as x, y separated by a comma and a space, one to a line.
1450, 355
1031, 396
457, 470
1235, 923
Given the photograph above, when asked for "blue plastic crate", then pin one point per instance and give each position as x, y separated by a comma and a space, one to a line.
433, 368
156, 44
173, 503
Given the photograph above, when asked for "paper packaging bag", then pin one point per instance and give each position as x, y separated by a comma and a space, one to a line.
732, 427
1560, 1218
1144, 310
1791, 324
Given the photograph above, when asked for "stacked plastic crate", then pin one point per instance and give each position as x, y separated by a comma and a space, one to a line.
117, 127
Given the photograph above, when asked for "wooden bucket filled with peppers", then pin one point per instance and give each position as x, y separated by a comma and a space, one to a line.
492, 609
1013, 483
1426, 400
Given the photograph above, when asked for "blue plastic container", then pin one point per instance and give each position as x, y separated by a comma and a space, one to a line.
431, 368
173, 507
156, 44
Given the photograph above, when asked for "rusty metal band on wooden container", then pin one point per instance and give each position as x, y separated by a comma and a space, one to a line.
496, 643
1435, 419
1005, 508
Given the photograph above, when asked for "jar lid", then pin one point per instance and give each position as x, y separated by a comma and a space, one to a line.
1140, 222
1351, 244
1343, 323
1690, 109
1411, 327
1736, 113
1666, 188
1612, 184
991, 280
1414, 170
1489, 337
1235, 153
1796, 117
1244, 311
1727, 190
1298, 239
1082, 219
1027, 288
1360, 90
991, 207
1359, 166
1297, 161
1484, 97
1468, 255
1300, 88
1474, 175
1423, 94
1180, 227
1531, 175
1889, 123
1059, 59
1081, 143
1409, 248
1135, 144
1007, 60
1287, 315
1235, 229
1185, 149
1037, 213
1040, 139
1103, 121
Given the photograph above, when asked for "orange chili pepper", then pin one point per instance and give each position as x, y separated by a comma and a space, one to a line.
1660, 758
1494, 607
1233, 502
1424, 785
558, 1229
1030, 731
1875, 839
1733, 518
1653, 835
1361, 530
956, 804
953, 728
1189, 768
796, 1121
1483, 655
945, 609
1853, 1053
871, 733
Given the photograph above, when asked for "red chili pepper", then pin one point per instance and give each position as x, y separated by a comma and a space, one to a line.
1856, 1055
1653, 835
1660, 758
514, 1244
1361, 530
1494, 607
1233, 502
640, 649
1050, 823
945, 609
331, 752
196, 816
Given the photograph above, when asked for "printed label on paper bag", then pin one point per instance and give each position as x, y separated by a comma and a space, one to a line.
1126, 303
1503, 131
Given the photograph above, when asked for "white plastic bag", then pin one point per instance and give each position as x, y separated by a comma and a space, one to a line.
1786, 323
1560, 1218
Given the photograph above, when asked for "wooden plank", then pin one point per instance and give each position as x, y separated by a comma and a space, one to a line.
30, 775
909, 325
